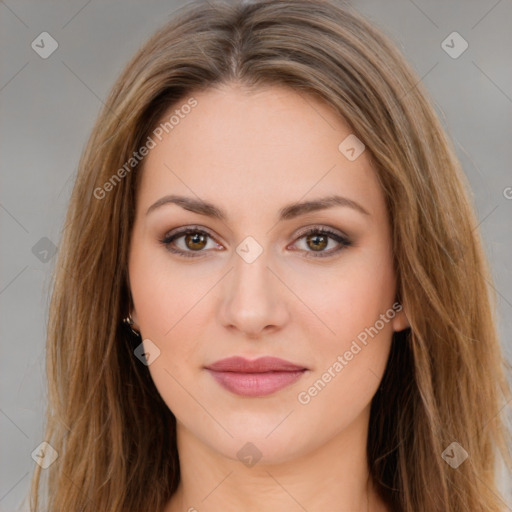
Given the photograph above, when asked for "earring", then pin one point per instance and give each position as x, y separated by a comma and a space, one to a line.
128, 321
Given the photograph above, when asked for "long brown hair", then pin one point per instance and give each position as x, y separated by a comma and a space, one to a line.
445, 381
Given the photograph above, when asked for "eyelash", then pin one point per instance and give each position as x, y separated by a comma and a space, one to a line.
341, 239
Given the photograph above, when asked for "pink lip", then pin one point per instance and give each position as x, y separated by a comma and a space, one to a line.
259, 377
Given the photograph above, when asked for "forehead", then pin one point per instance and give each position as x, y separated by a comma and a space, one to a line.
255, 149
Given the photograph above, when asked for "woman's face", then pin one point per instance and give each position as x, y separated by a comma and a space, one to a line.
254, 283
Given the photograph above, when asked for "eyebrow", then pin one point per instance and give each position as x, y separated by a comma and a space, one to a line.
289, 212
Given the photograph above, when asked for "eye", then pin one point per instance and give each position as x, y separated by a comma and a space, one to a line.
317, 239
195, 240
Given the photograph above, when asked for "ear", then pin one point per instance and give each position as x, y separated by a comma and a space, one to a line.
135, 319
131, 305
400, 321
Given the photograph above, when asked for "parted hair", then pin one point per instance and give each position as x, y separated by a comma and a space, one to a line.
446, 377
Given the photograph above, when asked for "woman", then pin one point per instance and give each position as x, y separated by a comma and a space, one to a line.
270, 294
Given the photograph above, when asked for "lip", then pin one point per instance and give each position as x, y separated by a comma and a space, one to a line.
259, 377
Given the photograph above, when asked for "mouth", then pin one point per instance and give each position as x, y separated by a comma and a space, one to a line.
260, 377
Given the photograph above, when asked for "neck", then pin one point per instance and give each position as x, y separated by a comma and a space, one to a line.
334, 476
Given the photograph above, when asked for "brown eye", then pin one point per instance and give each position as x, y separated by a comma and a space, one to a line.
192, 242
195, 241
317, 242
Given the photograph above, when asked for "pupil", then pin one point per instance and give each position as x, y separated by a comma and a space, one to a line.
315, 238
196, 239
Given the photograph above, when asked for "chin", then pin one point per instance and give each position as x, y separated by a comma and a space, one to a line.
254, 441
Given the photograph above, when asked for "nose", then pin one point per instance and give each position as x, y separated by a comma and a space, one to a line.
254, 301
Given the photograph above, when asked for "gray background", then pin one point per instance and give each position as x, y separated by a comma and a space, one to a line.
49, 106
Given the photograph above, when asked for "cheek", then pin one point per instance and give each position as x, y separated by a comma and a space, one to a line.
352, 353
161, 293
348, 301
172, 310
167, 308
349, 364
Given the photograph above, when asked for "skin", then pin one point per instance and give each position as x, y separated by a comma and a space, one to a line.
252, 153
